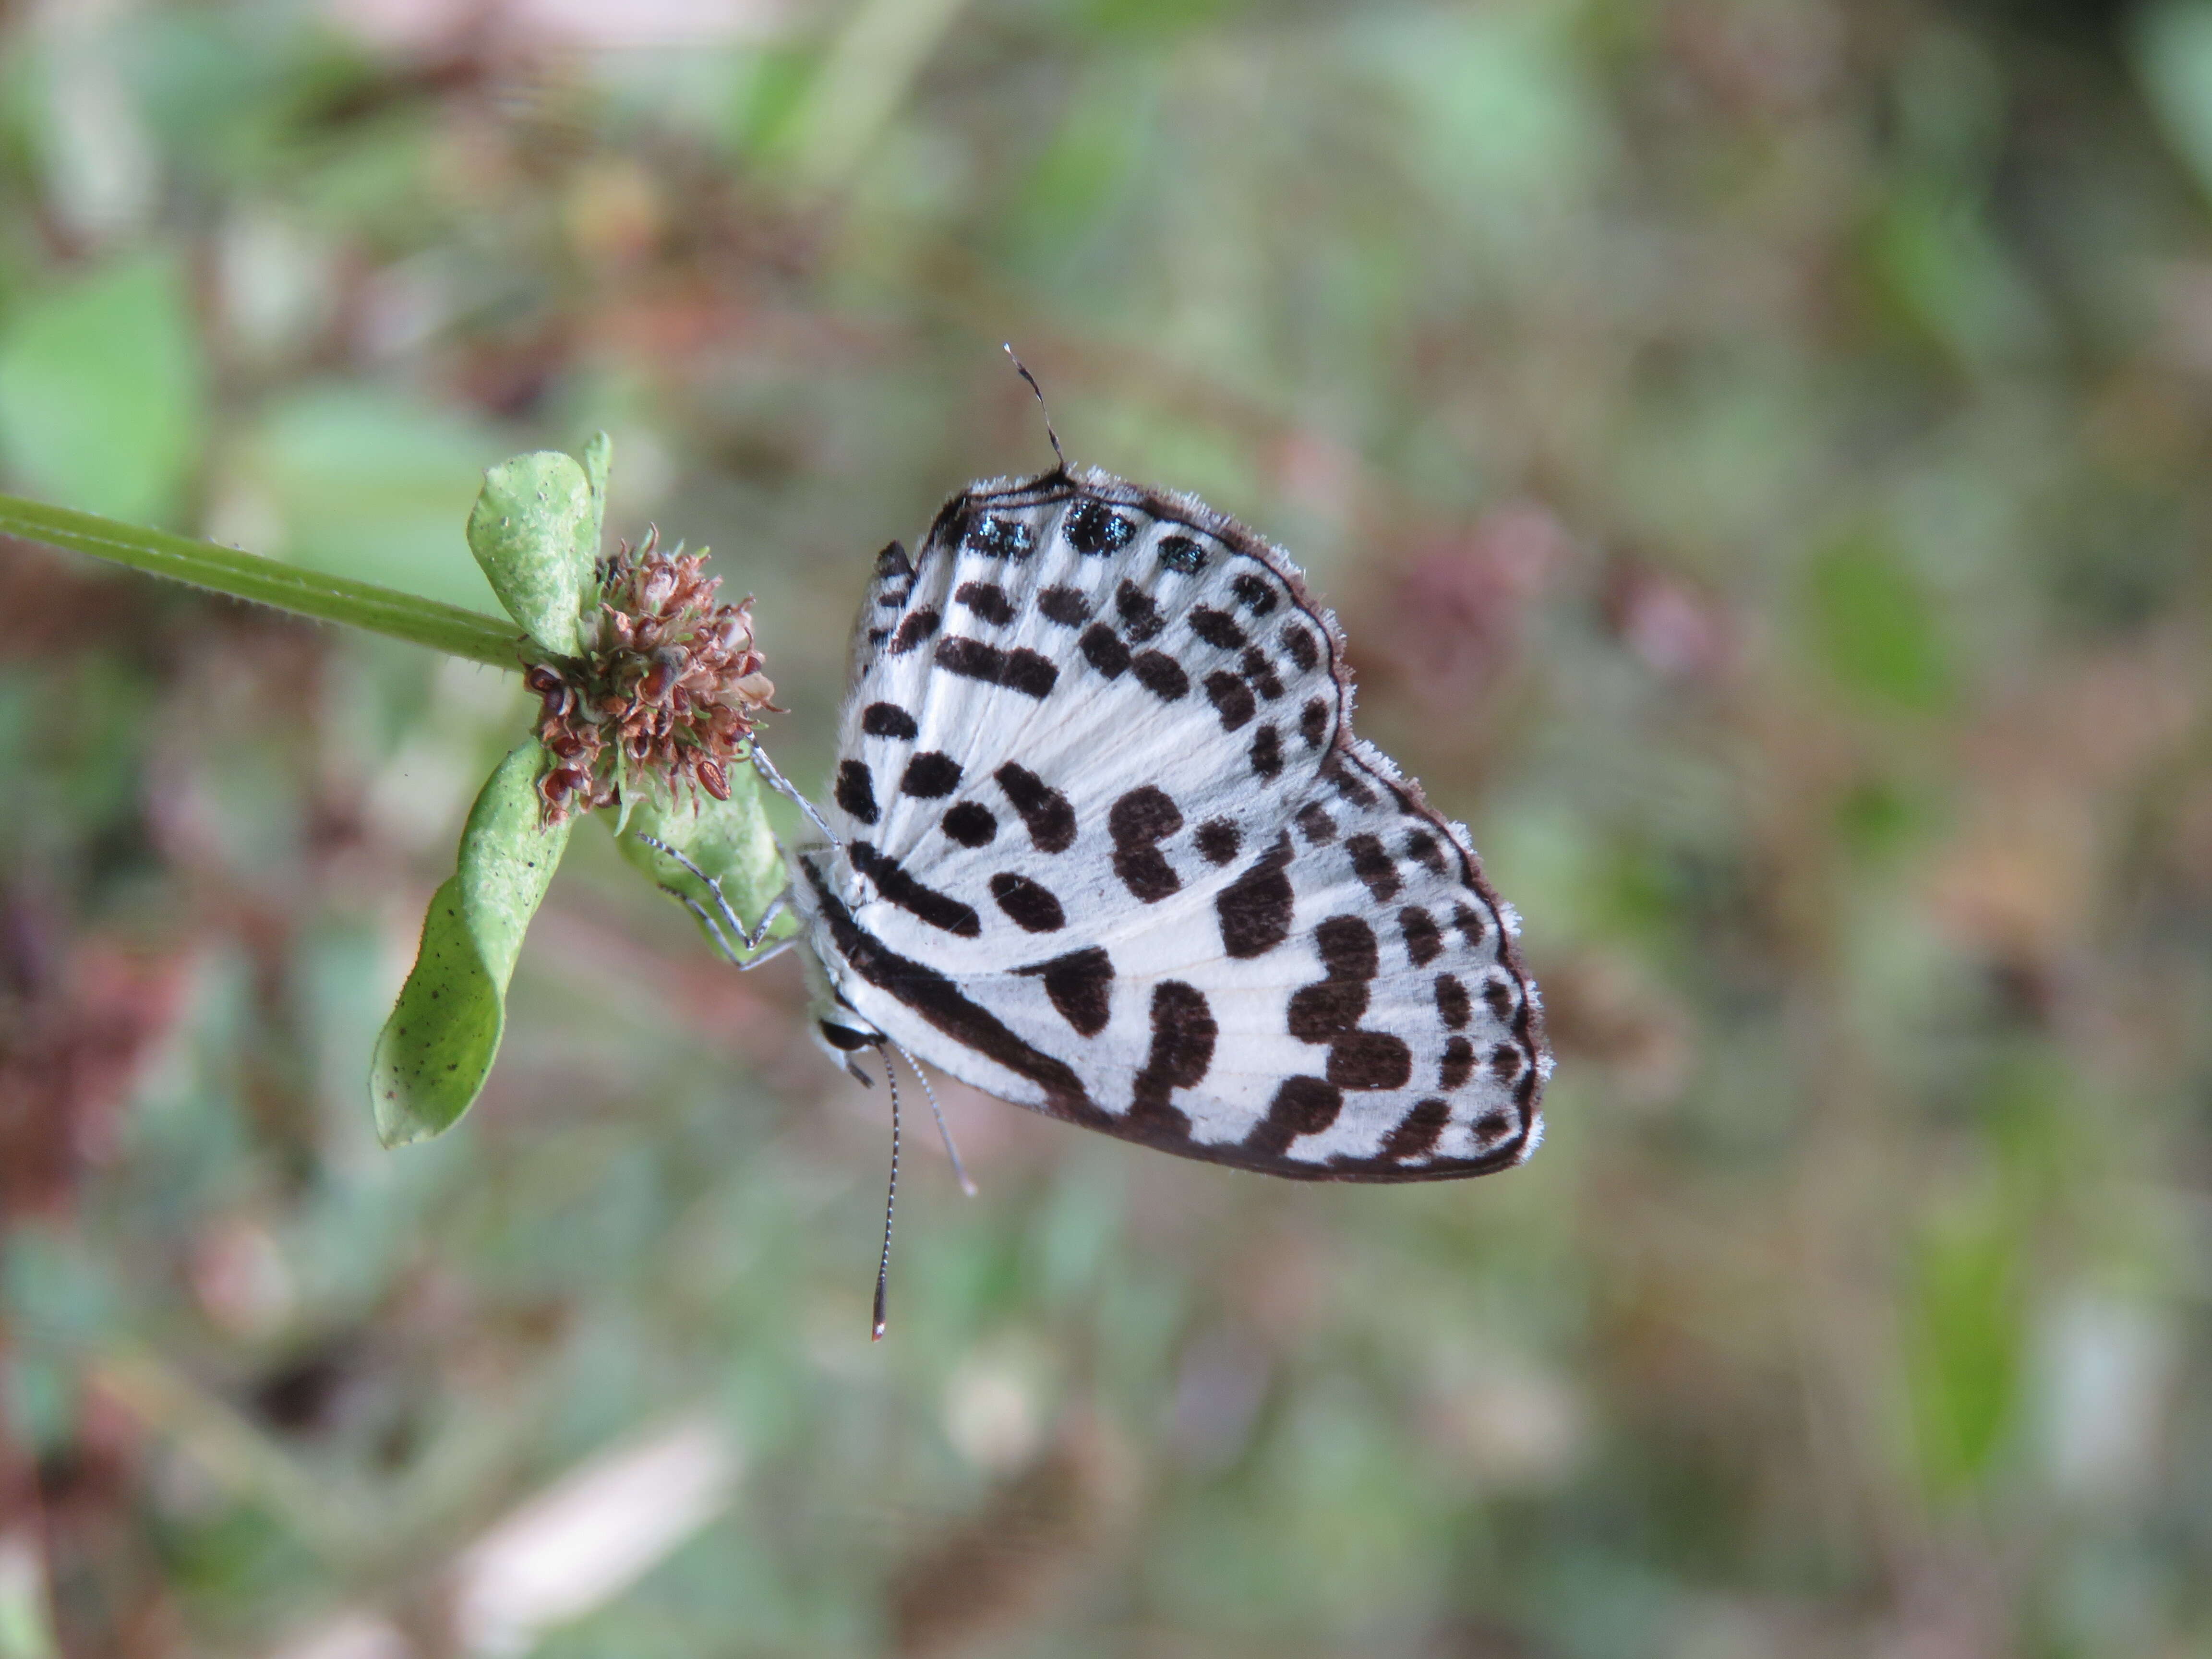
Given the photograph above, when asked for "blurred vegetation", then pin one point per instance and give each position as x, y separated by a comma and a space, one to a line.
1758, 448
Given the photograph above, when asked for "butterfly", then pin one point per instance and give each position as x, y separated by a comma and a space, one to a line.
1101, 842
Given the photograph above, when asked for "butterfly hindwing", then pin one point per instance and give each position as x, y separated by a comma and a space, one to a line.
1110, 850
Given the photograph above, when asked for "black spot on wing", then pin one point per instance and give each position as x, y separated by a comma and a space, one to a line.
1080, 986
887, 720
1094, 527
1217, 839
986, 600
898, 887
1346, 782
1030, 904
856, 790
1453, 1006
1258, 598
1313, 722
1425, 850
1255, 909
1324, 1012
1183, 1034
1423, 942
1267, 752
1045, 811
1506, 1062
1102, 649
1302, 1106
918, 626
1372, 865
1301, 646
1216, 628
893, 565
970, 824
1140, 617
1458, 1064
956, 654
1141, 818
1161, 675
931, 775
1330, 1010
1416, 1135
1471, 927
1314, 820
1262, 672
1230, 697
1498, 994
1347, 948
1370, 1060
1065, 605
1029, 672
1183, 556
999, 538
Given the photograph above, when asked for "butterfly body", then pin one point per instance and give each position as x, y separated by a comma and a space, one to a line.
1106, 846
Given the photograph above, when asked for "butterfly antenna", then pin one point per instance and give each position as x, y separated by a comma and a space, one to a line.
943, 1129
1022, 369
890, 1206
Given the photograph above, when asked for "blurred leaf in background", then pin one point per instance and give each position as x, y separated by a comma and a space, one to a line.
103, 399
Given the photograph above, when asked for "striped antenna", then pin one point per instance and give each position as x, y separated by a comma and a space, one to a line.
1022, 369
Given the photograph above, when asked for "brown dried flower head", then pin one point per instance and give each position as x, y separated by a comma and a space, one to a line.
669, 685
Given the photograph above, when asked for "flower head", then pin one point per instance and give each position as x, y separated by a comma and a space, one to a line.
669, 685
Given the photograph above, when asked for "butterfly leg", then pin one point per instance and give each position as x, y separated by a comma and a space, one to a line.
722, 923
782, 785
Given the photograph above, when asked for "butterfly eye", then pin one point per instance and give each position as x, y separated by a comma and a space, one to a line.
843, 1038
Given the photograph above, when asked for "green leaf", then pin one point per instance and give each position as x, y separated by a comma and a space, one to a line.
102, 392
730, 841
1966, 1346
438, 1046
1876, 627
365, 481
535, 530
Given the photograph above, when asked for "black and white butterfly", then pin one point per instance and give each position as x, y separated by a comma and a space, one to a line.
1101, 842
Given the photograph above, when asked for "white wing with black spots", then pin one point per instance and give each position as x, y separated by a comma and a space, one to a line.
1110, 849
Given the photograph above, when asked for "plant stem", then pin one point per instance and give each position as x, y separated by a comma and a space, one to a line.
447, 628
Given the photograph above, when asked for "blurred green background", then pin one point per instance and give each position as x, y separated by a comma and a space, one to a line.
1759, 450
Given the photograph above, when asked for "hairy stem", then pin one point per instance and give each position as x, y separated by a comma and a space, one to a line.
447, 628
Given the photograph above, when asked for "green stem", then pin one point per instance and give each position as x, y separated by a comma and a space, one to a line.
447, 628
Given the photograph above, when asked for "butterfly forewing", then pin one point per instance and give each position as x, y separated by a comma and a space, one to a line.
1110, 850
